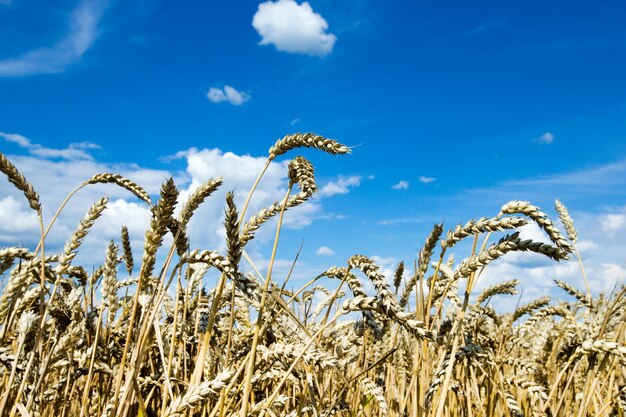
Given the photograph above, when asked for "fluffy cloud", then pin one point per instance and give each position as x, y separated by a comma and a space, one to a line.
426, 180
341, 186
533, 232
537, 279
388, 266
585, 246
83, 31
325, 251
402, 185
55, 178
228, 94
603, 267
17, 220
239, 173
293, 28
545, 139
613, 223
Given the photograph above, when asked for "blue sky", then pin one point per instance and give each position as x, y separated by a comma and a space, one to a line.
452, 109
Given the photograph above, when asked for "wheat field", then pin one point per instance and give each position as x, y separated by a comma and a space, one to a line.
186, 331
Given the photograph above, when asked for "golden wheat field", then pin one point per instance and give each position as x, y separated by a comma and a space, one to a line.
187, 331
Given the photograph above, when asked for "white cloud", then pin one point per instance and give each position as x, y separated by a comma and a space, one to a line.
72, 152
341, 186
537, 280
216, 95
239, 173
68, 153
229, 94
597, 183
86, 145
293, 28
600, 229
5, 2
325, 251
585, 246
54, 180
613, 223
402, 185
533, 232
545, 139
388, 265
294, 121
426, 180
17, 220
401, 220
83, 31
21, 141
602, 256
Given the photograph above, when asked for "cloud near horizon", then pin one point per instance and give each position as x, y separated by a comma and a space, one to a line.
293, 28
82, 33
602, 234
54, 178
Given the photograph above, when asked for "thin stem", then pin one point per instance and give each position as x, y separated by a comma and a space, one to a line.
259, 320
456, 331
56, 215
254, 186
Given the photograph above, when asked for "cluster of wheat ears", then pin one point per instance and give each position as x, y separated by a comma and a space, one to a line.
200, 336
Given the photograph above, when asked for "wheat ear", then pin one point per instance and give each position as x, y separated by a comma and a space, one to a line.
301, 172
161, 217
198, 393
233, 242
17, 179
306, 140
69, 251
422, 265
506, 287
128, 251
109, 178
481, 225
541, 219
566, 219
